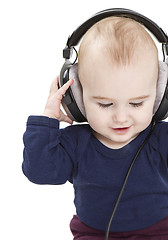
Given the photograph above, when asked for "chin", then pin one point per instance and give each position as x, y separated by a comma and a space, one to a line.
124, 139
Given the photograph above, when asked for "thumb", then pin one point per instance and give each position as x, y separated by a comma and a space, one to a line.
68, 120
65, 118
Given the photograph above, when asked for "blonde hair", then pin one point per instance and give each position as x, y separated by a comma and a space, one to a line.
121, 38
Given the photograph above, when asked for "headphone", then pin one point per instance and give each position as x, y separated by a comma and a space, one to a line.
72, 100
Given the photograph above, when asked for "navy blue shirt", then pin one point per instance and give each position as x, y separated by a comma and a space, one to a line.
54, 156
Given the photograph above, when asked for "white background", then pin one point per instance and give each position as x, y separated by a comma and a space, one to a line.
32, 36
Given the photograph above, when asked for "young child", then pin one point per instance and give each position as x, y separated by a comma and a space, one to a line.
118, 71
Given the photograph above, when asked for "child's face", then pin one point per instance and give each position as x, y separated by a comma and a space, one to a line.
118, 100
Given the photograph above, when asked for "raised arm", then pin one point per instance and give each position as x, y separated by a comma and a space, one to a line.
48, 152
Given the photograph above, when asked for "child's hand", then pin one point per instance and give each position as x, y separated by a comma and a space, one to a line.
52, 108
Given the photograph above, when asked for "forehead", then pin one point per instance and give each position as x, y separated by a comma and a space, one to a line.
108, 80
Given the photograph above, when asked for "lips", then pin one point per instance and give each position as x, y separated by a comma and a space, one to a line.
121, 130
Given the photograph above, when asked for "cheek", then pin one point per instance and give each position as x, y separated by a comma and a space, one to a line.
95, 115
144, 117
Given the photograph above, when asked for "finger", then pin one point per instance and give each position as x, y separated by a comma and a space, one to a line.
57, 81
65, 87
61, 91
54, 85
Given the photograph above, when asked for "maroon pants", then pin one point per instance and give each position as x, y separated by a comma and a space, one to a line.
158, 231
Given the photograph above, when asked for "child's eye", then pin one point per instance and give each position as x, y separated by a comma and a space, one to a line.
136, 104
105, 105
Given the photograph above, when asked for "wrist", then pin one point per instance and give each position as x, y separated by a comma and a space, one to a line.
48, 113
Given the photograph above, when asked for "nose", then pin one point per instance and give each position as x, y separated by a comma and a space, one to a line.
120, 115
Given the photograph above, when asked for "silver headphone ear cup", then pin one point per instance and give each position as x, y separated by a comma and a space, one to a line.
161, 111
161, 84
72, 100
76, 88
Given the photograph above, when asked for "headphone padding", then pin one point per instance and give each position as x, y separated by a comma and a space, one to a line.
76, 88
161, 84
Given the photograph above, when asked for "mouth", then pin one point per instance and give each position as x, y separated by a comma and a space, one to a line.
121, 130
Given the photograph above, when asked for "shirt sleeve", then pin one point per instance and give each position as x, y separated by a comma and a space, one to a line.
48, 154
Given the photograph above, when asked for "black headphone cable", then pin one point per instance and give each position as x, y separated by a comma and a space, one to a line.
125, 180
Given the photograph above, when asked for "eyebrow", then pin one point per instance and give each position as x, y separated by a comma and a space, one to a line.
131, 99
140, 97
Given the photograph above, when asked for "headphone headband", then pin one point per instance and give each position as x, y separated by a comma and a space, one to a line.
74, 39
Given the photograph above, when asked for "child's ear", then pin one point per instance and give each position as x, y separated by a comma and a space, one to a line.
76, 88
